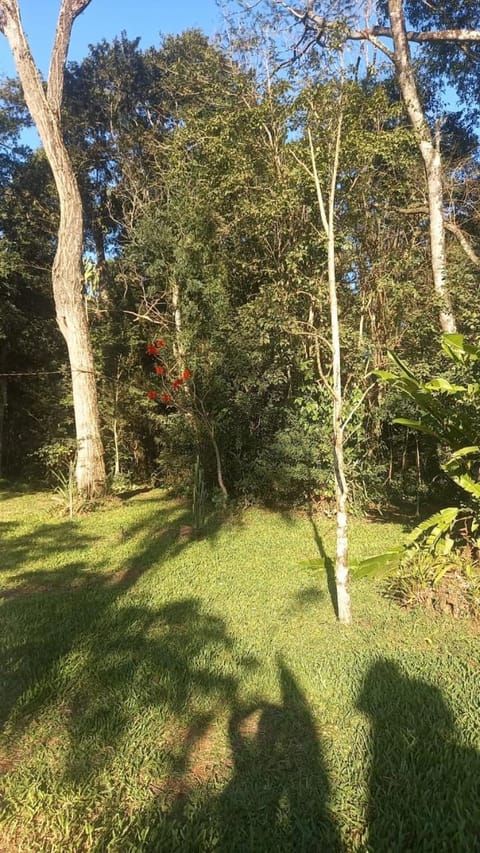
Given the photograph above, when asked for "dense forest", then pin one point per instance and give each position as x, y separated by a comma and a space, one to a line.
205, 261
240, 379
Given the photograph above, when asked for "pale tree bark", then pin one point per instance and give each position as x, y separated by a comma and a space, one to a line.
341, 489
3, 399
67, 274
316, 26
430, 151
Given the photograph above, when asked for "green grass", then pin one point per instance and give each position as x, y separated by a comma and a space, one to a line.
162, 694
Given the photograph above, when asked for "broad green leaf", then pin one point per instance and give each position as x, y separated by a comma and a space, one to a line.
441, 520
455, 347
314, 563
417, 425
464, 451
465, 481
380, 565
444, 386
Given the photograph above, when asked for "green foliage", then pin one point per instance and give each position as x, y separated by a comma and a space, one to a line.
200, 227
199, 498
65, 493
449, 415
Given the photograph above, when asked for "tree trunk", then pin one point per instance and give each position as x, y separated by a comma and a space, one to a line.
430, 151
341, 490
67, 274
67, 278
3, 400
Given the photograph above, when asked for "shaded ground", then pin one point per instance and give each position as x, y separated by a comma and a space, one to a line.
165, 694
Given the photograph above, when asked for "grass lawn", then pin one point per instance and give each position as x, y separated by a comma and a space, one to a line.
162, 694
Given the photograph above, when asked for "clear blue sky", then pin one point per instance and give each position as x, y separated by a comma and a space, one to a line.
106, 19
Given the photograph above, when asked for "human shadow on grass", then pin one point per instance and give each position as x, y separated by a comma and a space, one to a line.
424, 783
277, 799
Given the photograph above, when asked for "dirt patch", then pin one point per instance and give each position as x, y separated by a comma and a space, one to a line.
202, 758
19, 591
451, 597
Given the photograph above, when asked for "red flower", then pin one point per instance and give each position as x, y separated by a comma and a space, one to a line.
186, 374
152, 395
176, 383
160, 343
152, 349
159, 370
166, 398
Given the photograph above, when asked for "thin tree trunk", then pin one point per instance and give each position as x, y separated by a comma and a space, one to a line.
3, 400
67, 274
430, 151
116, 470
218, 461
341, 490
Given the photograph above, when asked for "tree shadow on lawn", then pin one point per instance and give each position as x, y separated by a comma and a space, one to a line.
327, 562
46, 540
162, 673
424, 783
46, 614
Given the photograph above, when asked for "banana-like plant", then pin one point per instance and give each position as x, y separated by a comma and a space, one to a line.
447, 414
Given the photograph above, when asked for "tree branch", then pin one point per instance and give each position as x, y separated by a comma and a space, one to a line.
450, 226
69, 11
318, 23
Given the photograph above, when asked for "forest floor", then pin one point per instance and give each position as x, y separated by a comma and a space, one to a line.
166, 694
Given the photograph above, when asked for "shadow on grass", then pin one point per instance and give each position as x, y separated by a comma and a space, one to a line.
46, 540
47, 613
327, 562
137, 691
162, 671
275, 799
424, 785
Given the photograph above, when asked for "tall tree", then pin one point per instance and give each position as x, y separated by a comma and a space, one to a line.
67, 275
319, 21
327, 215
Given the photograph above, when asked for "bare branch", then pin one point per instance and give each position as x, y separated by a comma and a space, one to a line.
316, 22
380, 46
464, 242
357, 405
450, 226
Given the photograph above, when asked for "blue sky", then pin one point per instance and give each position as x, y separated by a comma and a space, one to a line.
106, 19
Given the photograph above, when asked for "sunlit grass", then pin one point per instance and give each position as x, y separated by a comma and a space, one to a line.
163, 694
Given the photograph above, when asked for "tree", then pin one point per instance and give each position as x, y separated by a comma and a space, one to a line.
327, 215
317, 25
67, 274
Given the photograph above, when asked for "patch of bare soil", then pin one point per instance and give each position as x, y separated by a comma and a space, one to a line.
203, 759
452, 596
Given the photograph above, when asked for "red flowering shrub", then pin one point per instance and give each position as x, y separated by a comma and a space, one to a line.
160, 370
